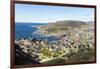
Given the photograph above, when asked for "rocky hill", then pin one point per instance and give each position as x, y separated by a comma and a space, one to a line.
62, 26
23, 58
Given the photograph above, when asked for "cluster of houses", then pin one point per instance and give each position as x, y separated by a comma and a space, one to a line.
72, 42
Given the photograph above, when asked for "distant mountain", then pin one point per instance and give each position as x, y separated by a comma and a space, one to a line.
63, 25
68, 23
59, 27
90, 23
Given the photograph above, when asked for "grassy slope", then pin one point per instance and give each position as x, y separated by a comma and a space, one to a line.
83, 56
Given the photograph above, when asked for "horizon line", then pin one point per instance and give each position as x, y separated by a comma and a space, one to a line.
53, 21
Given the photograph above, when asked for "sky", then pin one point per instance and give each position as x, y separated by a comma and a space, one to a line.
44, 14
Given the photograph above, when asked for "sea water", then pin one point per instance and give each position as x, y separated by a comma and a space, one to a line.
26, 30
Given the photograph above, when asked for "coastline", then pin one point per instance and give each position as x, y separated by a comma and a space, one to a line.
71, 40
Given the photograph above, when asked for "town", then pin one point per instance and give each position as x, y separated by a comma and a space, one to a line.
69, 44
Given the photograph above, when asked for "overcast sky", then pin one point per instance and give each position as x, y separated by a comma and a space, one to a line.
45, 14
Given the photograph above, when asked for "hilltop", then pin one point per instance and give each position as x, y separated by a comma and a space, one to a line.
59, 27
